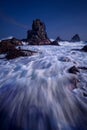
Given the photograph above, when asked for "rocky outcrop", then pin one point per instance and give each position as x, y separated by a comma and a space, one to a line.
38, 35
13, 41
84, 48
55, 43
75, 38
5, 46
8, 47
9, 44
15, 53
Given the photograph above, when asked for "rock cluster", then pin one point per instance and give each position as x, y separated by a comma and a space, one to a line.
75, 38
9, 47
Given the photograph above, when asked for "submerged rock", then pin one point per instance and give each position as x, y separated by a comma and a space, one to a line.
75, 38
73, 70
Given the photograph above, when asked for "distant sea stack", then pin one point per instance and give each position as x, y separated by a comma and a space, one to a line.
75, 38
58, 39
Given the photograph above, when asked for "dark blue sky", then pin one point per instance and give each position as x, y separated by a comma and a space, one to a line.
63, 18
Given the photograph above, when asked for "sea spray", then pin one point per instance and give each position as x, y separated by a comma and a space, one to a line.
38, 92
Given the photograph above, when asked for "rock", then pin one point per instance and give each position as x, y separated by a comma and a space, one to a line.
58, 39
5, 46
9, 47
83, 67
8, 44
75, 38
55, 43
84, 48
38, 35
16, 42
15, 53
64, 59
13, 41
73, 70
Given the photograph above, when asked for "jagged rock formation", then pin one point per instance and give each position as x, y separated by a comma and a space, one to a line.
38, 35
75, 38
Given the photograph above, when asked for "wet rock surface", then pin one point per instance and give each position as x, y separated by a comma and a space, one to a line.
73, 70
15, 53
8, 47
5, 46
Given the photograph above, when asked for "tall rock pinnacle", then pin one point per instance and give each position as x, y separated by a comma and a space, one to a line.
38, 35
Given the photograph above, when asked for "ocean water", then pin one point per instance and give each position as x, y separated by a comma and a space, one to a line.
38, 92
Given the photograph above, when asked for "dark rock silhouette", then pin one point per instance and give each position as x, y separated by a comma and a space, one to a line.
9, 44
73, 70
13, 40
5, 46
15, 53
16, 41
38, 35
58, 39
9, 47
55, 43
84, 48
75, 38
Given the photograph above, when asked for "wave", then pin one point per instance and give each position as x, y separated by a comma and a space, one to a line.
38, 92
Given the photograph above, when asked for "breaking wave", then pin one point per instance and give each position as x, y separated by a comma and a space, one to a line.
38, 92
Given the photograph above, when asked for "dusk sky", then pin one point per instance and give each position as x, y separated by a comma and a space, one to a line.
63, 18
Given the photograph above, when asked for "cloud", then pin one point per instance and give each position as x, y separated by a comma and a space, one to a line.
12, 21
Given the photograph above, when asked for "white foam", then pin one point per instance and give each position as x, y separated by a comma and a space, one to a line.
41, 86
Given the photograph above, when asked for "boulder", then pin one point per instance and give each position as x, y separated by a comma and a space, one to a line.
84, 48
38, 35
75, 38
55, 43
16, 41
15, 53
8, 47
13, 41
5, 46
